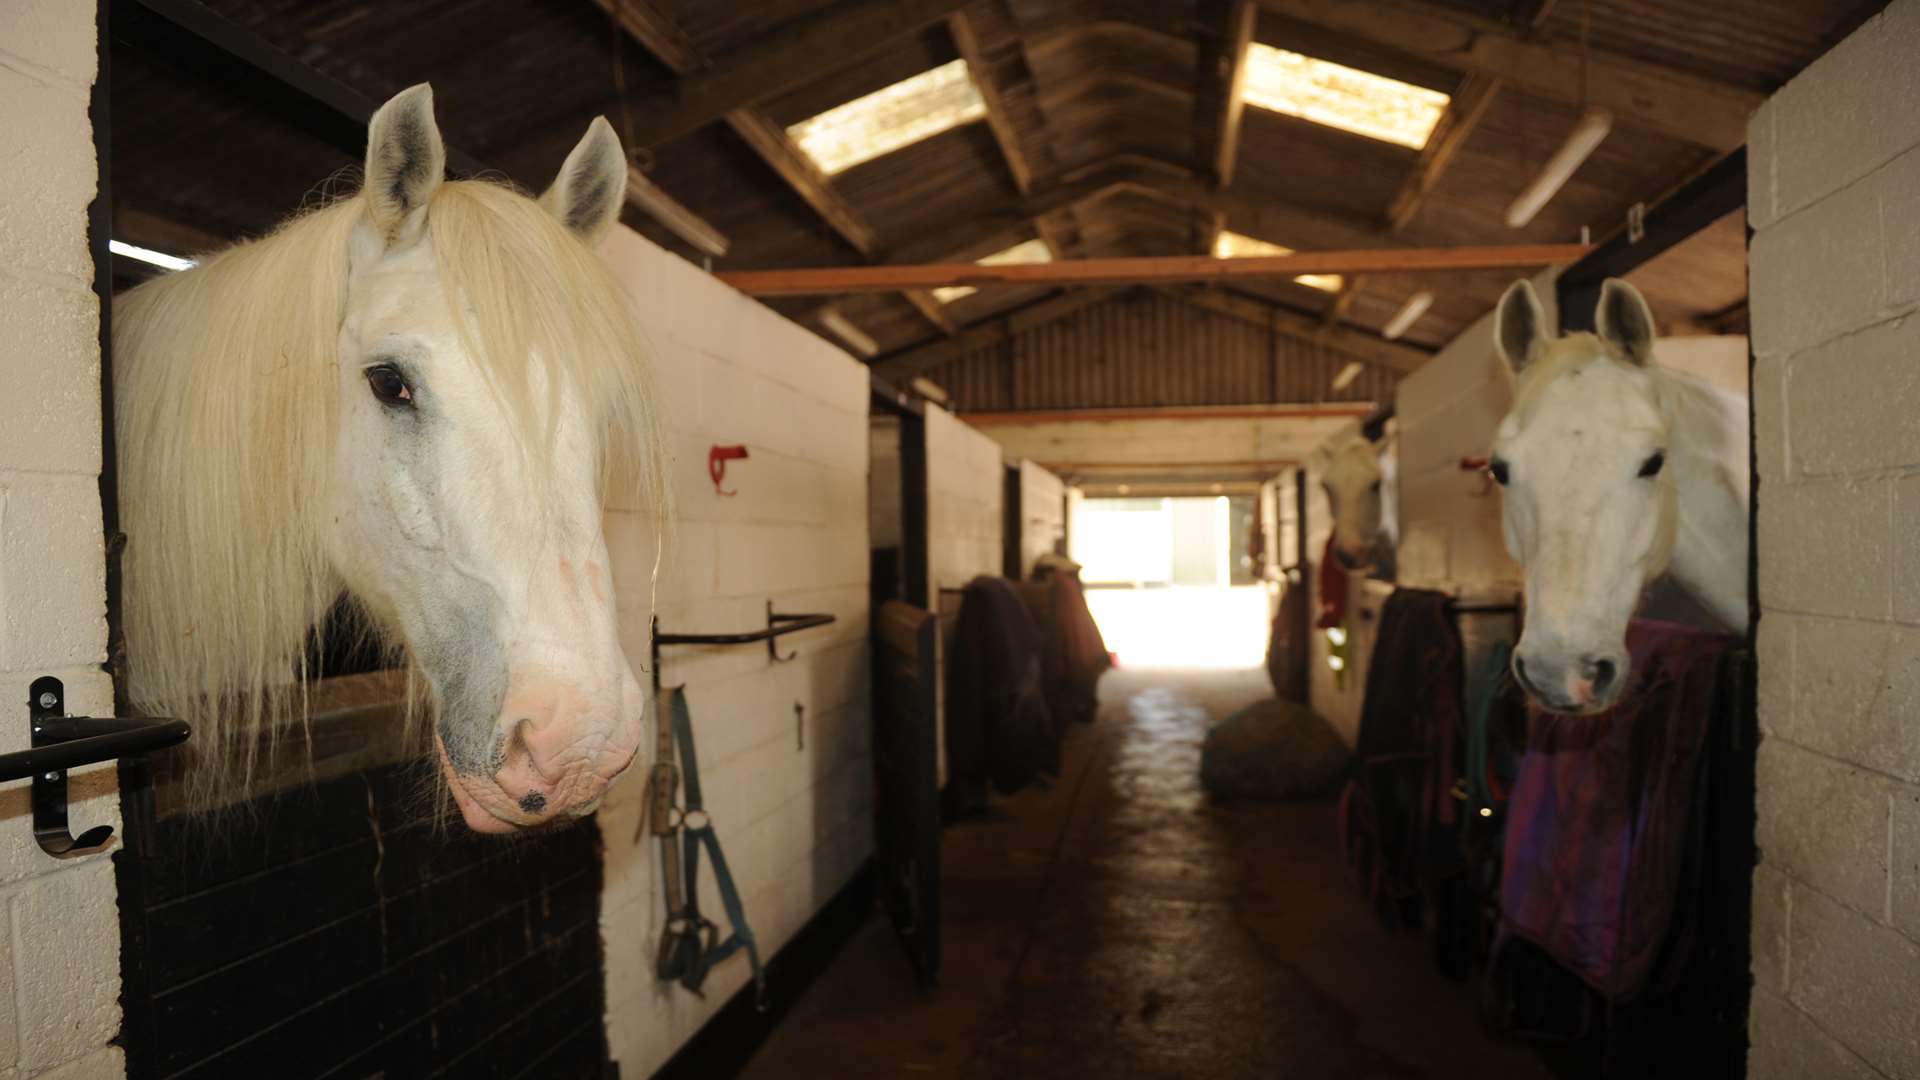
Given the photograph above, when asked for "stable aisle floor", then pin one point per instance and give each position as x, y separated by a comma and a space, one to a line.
1119, 924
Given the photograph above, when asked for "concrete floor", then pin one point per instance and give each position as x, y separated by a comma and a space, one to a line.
1120, 925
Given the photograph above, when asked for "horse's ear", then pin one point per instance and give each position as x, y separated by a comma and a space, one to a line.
586, 196
1519, 325
1625, 321
405, 163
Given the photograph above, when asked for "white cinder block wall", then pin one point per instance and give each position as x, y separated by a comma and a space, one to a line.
1043, 514
1834, 197
966, 493
60, 958
790, 793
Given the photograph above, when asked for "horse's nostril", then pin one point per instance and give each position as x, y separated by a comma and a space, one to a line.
533, 802
1603, 672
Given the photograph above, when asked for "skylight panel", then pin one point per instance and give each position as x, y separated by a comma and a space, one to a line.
1233, 245
1031, 251
1342, 97
890, 118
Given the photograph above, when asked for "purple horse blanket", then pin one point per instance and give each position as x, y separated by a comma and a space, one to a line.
1602, 817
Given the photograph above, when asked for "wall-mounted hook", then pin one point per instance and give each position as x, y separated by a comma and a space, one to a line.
772, 621
60, 742
717, 459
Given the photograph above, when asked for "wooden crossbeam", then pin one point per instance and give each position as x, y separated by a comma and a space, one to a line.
786, 56
902, 365
1240, 21
1359, 344
1147, 271
1640, 93
967, 43
655, 30
774, 146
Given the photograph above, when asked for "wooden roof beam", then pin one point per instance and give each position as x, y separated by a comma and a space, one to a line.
968, 45
1640, 93
1361, 345
899, 366
1230, 77
792, 53
829, 280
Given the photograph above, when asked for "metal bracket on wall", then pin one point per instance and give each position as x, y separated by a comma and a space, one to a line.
60, 742
777, 625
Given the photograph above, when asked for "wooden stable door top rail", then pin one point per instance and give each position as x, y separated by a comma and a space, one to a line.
1143, 271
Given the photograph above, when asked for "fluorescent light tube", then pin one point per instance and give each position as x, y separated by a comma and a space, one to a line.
1592, 128
147, 255
1346, 376
1409, 313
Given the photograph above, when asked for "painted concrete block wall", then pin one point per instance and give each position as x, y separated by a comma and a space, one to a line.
784, 748
1043, 513
60, 977
966, 490
1834, 197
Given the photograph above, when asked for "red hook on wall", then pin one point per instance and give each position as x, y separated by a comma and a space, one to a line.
717, 459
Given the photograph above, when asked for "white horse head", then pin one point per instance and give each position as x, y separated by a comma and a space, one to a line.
408, 397
1353, 477
1615, 471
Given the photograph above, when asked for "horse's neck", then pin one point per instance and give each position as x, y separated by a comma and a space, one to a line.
1709, 456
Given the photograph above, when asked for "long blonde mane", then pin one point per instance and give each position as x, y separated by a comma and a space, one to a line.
226, 408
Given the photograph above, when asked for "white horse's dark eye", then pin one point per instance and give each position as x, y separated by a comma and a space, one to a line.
1499, 470
1653, 464
389, 385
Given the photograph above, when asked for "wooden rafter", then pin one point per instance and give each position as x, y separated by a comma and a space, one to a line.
968, 45
902, 365
1641, 93
1470, 102
1361, 345
1145, 271
784, 57
769, 140
931, 309
1232, 79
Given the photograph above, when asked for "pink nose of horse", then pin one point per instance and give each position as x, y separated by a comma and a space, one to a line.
559, 756
1587, 684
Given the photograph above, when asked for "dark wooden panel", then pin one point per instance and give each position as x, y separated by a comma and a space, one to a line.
337, 930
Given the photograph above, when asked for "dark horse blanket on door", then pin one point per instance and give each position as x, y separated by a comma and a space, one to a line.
1604, 825
999, 728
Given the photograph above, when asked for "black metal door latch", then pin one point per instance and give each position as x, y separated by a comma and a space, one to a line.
60, 742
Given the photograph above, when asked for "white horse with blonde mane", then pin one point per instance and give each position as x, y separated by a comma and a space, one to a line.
1355, 474
412, 398
1616, 470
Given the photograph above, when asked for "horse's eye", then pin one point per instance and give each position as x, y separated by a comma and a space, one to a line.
389, 386
1376, 487
1653, 464
1499, 470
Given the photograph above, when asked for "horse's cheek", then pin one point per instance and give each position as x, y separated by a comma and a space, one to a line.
410, 509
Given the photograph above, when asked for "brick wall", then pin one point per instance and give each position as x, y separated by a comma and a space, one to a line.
1834, 199
60, 976
791, 795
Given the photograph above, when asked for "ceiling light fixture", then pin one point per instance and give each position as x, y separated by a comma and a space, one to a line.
1346, 376
150, 256
1409, 313
849, 333
1592, 128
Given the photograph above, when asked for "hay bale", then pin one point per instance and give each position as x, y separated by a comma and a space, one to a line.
1273, 750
